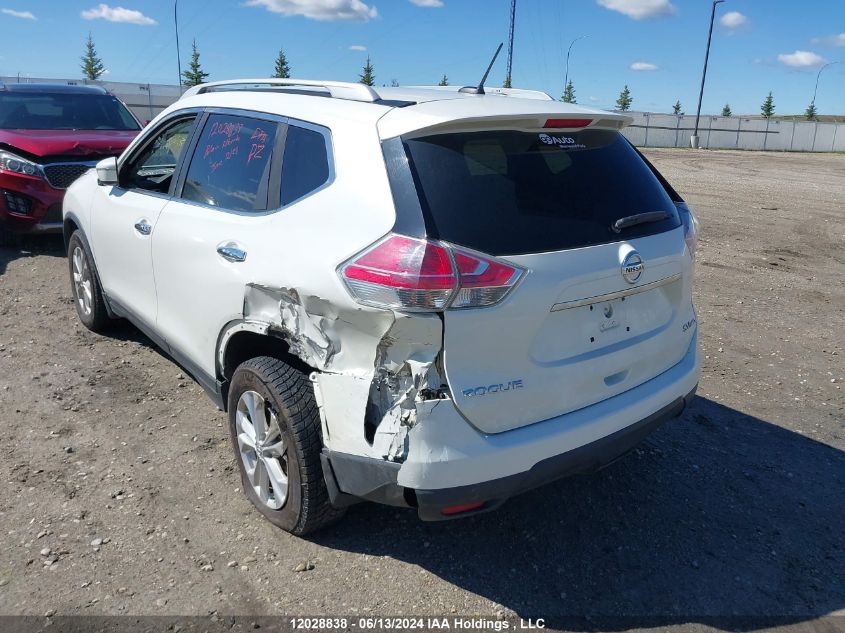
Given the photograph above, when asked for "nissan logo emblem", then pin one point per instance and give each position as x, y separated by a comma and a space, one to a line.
632, 267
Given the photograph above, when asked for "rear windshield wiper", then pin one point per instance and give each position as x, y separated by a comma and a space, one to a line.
640, 218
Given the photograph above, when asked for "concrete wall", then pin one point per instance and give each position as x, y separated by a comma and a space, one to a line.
717, 132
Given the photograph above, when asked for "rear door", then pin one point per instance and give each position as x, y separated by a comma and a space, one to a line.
601, 310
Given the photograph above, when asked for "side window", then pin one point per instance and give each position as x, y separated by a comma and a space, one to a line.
306, 163
152, 169
230, 167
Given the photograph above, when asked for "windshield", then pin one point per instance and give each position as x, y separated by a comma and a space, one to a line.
64, 111
510, 192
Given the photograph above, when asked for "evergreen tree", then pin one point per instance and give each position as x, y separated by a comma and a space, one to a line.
92, 66
507, 82
394, 83
768, 107
811, 113
444, 81
194, 76
368, 77
676, 109
569, 93
726, 111
282, 70
625, 100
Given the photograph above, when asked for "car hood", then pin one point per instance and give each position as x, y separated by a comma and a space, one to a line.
68, 142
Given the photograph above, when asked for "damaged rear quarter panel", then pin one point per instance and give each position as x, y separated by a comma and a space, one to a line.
370, 364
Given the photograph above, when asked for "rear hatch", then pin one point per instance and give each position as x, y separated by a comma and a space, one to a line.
587, 321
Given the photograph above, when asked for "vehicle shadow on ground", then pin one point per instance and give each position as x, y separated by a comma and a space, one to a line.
31, 246
717, 515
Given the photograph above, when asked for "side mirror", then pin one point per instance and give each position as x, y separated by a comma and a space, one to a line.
107, 171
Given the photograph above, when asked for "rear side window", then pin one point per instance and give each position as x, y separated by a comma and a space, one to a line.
230, 167
509, 192
306, 164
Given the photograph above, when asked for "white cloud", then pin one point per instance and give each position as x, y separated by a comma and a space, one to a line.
428, 3
357, 47
831, 40
640, 9
323, 10
733, 20
25, 15
643, 66
117, 14
801, 59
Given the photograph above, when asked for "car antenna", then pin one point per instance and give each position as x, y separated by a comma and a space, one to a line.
479, 90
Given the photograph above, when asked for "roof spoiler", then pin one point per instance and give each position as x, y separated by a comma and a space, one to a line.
337, 89
502, 92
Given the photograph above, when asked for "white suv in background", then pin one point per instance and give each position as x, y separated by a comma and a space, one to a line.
427, 298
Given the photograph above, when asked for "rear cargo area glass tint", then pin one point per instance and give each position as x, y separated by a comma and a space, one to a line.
509, 193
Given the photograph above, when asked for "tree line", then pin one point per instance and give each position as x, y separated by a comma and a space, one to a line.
93, 68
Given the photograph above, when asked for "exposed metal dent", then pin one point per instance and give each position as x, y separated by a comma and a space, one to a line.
306, 323
379, 377
405, 374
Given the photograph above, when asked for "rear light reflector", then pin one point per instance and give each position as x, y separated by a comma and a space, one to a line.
460, 509
415, 274
567, 123
690, 227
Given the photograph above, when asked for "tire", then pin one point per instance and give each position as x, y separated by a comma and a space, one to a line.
90, 305
281, 400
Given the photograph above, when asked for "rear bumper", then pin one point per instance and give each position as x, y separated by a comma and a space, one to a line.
584, 459
376, 480
452, 464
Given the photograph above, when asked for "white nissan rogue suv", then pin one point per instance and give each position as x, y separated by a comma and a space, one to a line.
427, 298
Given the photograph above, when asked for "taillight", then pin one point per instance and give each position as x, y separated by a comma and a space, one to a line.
484, 281
567, 123
414, 274
690, 227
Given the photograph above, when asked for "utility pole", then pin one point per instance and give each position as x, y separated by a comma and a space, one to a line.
819, 74
178, 56
568, 51
694, 139
509, 76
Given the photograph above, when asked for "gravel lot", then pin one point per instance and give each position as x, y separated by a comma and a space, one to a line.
121, 495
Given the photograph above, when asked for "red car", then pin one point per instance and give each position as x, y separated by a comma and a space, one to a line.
49, 136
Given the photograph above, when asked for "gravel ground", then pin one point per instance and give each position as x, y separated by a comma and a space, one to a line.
121, 495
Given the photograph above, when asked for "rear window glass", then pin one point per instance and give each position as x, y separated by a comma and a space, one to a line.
64, 111
306, 164
509, 192
231, 164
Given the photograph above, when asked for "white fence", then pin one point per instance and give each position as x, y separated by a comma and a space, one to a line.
719, 132
648, 129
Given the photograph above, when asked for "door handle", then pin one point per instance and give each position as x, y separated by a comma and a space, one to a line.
231, 252
143, 227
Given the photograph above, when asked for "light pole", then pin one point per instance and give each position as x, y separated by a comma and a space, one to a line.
819, 74
178, 55
694, 139
568, 51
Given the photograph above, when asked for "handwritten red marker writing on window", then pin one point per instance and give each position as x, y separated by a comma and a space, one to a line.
255, 152
259, 136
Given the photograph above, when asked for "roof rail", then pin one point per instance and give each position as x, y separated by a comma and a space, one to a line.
337, 89
505, 92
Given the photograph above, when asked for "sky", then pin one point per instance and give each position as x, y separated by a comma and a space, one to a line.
656, 47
